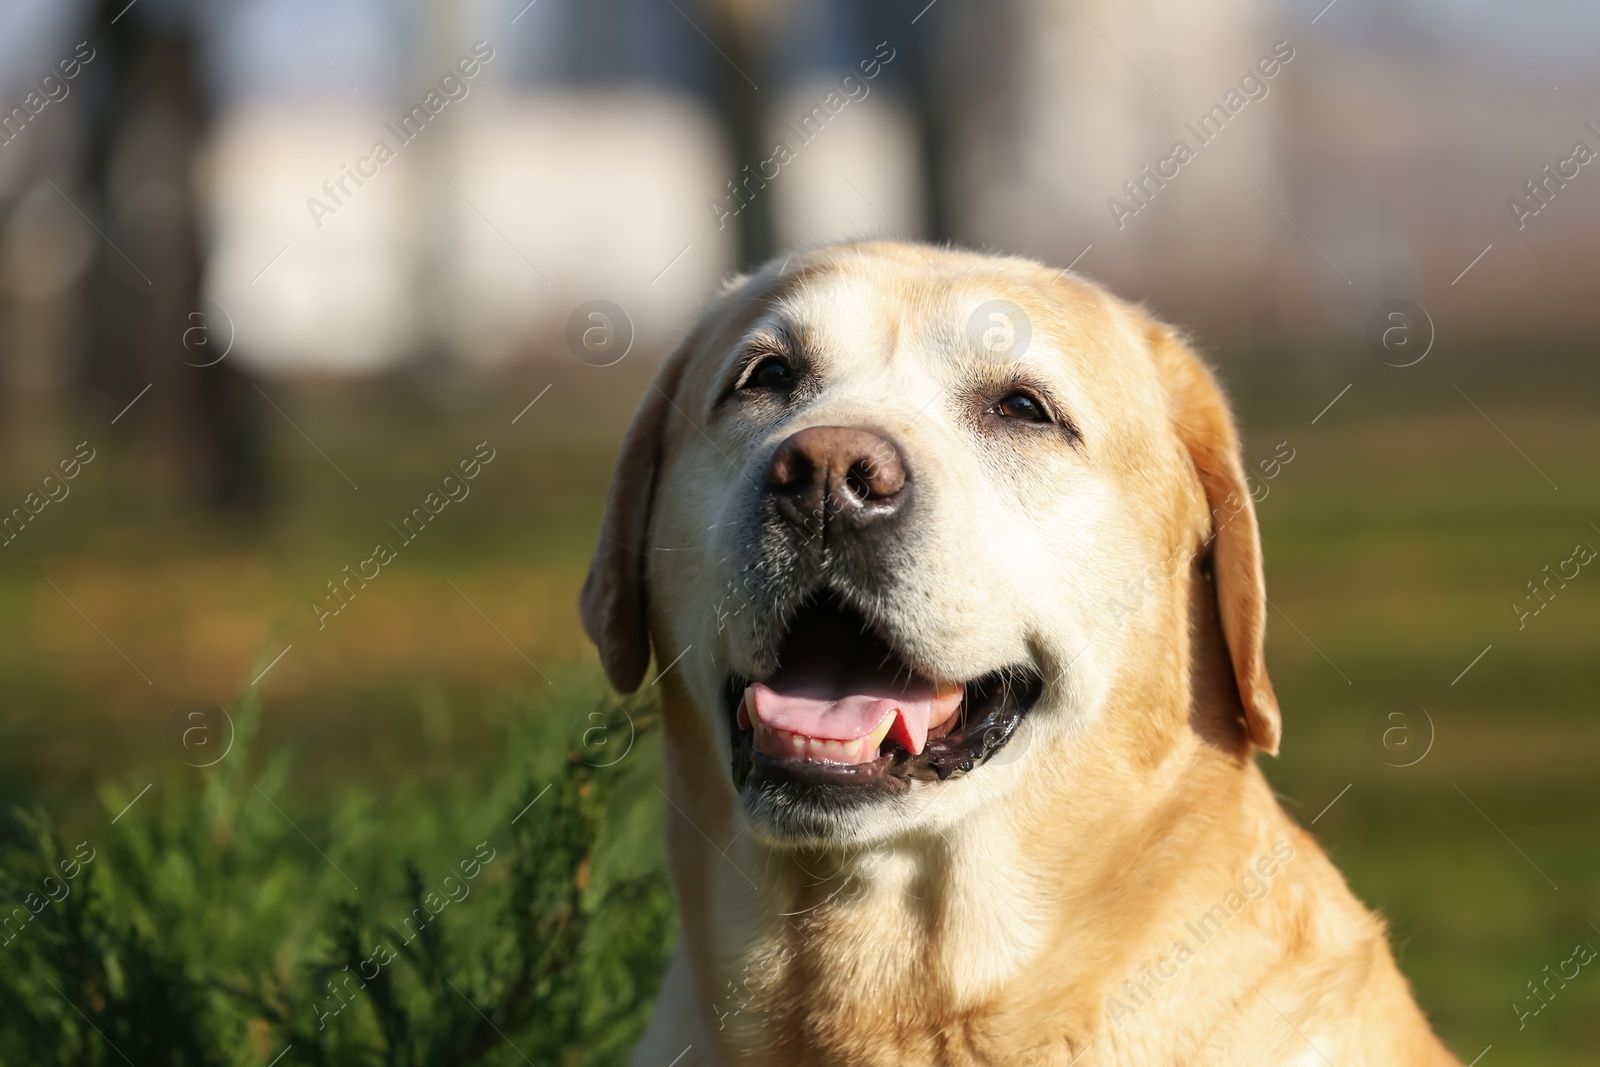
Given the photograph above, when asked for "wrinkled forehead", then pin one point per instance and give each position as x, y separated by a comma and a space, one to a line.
902, 313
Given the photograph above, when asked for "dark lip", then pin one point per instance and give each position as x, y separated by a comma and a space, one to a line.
992, 708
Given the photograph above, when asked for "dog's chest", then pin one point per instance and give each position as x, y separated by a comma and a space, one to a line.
882, 966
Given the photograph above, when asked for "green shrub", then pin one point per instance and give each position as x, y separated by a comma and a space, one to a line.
508, 918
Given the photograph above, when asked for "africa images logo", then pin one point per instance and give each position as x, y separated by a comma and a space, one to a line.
452, 87
1253, 85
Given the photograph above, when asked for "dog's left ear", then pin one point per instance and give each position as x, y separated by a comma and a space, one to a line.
1200, 417
613, 604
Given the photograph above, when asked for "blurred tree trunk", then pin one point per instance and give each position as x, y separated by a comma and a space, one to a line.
929, 89
199, 419
737, 32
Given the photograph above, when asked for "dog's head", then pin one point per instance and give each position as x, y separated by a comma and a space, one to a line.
905, 522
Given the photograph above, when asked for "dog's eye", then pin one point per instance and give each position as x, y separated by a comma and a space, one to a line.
773, 372
1022, 406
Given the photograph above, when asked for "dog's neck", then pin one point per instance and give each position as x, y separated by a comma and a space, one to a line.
785, 941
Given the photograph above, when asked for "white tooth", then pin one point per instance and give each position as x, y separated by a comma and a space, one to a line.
819, 749
875, 738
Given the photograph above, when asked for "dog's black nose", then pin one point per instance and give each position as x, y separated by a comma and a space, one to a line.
836, 475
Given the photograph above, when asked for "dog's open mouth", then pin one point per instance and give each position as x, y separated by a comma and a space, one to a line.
844, 708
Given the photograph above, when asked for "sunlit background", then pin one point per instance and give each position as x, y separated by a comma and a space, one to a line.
270, 269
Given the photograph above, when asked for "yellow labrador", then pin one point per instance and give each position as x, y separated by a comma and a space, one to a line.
955, 566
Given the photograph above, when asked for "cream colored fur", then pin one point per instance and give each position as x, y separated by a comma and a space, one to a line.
1031, 912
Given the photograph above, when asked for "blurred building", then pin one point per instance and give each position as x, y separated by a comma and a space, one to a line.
380, 183
589, 155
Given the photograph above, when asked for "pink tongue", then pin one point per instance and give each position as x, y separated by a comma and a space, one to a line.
820, 711
838, 683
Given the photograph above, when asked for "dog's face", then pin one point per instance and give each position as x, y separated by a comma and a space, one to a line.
902, 518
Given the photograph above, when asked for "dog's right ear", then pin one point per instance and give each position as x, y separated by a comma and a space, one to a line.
614, 603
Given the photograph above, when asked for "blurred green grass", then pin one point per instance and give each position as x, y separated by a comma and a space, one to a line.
1395, 542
